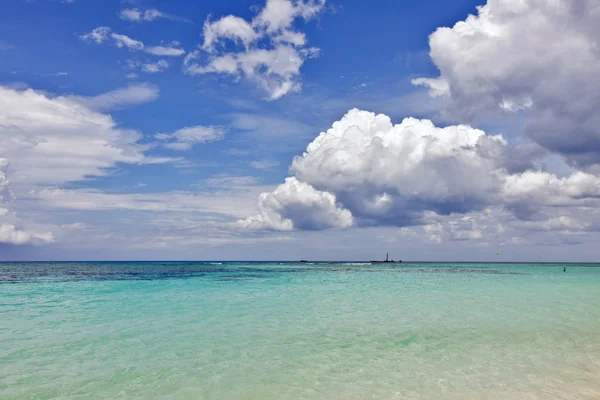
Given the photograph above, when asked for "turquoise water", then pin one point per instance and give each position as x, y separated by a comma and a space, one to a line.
299, 331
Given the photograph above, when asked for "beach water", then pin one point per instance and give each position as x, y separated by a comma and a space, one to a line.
299, 331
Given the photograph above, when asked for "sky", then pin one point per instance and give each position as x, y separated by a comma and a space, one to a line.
300, 129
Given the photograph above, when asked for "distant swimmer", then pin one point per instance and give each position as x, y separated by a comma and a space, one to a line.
565, 269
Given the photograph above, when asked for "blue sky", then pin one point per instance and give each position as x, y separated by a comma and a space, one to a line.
115, 149
51, 45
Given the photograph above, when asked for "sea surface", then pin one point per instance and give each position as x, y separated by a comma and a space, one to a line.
185, 330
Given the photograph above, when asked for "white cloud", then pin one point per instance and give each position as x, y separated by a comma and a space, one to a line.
126, 41
538, 57
499, 227
229, 27
180, 217
165, 51
437, 87
150, 14
297, 205
97, 35
378, 173
278, 15
198, 203
101, 34
134, 14
153, 68
297, 39
123, 97
11, 235
275, 70
53, 140
273, 53
184, 139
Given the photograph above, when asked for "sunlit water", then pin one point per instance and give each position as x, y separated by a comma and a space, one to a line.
299, 331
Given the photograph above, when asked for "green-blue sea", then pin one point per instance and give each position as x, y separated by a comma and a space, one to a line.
199, 330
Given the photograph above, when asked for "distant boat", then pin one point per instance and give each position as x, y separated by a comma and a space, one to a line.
303, 261
387, 260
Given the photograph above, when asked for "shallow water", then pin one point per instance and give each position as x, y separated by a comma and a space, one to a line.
299, 331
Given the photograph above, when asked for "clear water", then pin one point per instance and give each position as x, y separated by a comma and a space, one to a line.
285, 331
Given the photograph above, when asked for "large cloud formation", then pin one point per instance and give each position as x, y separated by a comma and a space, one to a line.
538, 57
54, 140
268, 51
366, 171
49, 141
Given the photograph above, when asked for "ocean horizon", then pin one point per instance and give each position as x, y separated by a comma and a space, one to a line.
291, 330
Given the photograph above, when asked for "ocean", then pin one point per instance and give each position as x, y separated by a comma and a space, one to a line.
210, 330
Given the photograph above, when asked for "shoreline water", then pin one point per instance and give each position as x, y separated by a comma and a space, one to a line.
270, 331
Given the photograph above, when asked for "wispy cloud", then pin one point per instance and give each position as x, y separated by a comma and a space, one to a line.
149, 14
184, 139
264, 164
153, 68
123, 97
102, 34
165, 51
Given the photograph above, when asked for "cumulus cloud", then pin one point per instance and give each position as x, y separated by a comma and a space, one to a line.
537, 57
101, 34
272, 53
184, 139
298, 205
367, 171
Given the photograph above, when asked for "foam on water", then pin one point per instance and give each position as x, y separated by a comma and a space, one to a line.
297, 331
